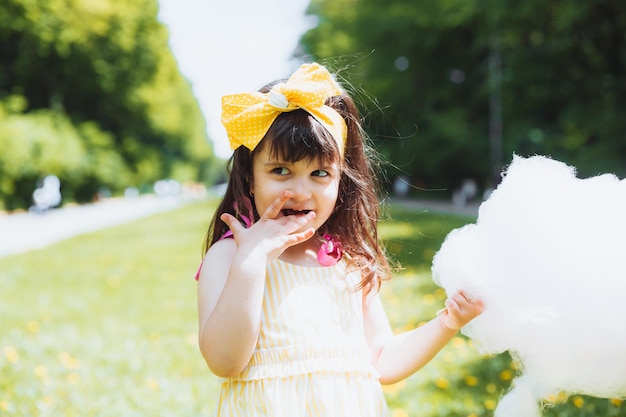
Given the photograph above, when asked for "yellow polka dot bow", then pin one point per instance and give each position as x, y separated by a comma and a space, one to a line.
248, 116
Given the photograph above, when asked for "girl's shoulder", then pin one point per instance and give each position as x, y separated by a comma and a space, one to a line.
223, 249
220, 253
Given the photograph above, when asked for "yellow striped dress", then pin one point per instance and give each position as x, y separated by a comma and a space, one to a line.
311, 358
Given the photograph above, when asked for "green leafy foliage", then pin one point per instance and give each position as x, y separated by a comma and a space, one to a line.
106, 70
432, 68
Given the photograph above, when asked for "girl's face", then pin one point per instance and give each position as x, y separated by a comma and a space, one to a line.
314, 185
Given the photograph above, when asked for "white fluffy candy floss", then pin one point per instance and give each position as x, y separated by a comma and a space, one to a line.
547, 255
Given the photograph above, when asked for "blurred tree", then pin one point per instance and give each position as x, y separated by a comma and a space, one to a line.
563, 81
443, 72
106, 69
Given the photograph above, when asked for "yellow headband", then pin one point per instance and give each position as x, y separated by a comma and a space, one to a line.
248, 116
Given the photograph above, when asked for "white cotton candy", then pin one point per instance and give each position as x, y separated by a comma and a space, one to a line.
547, 254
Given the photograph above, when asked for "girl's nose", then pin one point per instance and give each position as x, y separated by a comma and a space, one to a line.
300, 191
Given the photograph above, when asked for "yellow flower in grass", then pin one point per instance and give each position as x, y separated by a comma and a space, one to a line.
393, 389
616, 402
406, 327
429, 299
442, 383
155, 337
471, 381
73, 378
490, 404
4, 406
113, 281
559, 398
41, 372
458, 342
578, 402
440, 293
11, 354
32, 326
506, 375
153, 384
491, 388
399, 413
68, 361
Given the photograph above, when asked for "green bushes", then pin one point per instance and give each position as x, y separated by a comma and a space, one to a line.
90, 92
46, 142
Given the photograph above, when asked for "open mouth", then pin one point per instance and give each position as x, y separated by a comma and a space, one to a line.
291, 212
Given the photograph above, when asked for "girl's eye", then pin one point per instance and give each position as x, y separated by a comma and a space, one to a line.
320, 173
280, 171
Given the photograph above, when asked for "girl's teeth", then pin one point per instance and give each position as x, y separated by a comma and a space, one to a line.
290, 212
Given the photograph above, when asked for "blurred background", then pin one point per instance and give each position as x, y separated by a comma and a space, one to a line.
105, 95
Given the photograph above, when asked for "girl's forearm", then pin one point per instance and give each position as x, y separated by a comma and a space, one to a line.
229, 335
406, 353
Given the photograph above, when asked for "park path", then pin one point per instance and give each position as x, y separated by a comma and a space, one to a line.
21, 232
469, 210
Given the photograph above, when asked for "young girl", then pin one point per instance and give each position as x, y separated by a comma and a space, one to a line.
289, 311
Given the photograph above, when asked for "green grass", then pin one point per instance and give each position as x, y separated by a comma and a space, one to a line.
458, 382
105, 324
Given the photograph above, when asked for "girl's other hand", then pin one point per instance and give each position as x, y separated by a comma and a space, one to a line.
460, 310
273, 233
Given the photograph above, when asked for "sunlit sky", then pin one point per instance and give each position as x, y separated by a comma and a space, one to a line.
232, 46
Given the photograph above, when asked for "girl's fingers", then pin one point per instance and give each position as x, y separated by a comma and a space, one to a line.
295, 223
299, 237
302, 220
462, 298
274, 209
460, 303
451, 304
232, 222
469, 301
289, 223
284, 227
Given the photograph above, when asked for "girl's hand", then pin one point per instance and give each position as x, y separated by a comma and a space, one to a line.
460, 310
271, 234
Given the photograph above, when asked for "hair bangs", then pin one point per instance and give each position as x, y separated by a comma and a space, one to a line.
296, 136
